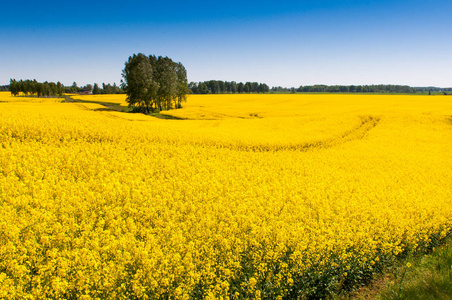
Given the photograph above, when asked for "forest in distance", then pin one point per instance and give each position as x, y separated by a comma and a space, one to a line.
232, 87
46, 88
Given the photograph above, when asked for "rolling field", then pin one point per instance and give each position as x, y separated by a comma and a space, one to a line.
237, 197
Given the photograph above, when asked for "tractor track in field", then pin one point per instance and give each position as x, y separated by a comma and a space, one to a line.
357, 133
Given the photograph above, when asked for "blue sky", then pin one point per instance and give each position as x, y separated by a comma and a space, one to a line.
281, 43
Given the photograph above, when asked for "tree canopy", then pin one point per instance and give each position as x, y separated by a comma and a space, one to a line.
154, 83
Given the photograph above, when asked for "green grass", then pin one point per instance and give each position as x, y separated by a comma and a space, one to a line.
428, 277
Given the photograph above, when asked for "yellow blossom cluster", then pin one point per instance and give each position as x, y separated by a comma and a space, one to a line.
241, 197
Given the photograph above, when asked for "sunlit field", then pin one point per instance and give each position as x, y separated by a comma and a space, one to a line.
236, 197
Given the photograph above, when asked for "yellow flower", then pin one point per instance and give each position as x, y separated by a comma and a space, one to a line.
97, 202
252, 282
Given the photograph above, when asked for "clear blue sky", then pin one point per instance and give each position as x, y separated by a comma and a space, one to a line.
281, 43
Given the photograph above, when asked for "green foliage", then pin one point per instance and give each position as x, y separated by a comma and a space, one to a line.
427, 277
432, 89
34, 88
380, 88
231, 87
96, 89
4, 88
141, 88
154, 83
111, 89
227, 87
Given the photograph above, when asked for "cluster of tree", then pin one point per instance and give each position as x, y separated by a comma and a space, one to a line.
95, 89
227, 87
107, 89
4, 88
154, 83
282, 90
34, 88
380, 88
432, 89
73, 89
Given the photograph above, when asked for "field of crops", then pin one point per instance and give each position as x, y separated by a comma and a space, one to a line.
237, 197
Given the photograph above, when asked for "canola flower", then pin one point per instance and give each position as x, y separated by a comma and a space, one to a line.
248, 197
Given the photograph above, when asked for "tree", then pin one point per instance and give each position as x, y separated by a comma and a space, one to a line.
233, 87
215, 87
139, 83
221, 86
247, 87
167, 79
263, 88
254, 87
202, 88
182, 86
193, 86
74, 87
89, 87
96, 89
60, 88
240, 87
13, 87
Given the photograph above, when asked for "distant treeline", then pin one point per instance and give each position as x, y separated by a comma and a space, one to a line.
227, 87
89, 88
32, 87
321, 88
380, 88
51, 89
108, 89
231, 87
432, 89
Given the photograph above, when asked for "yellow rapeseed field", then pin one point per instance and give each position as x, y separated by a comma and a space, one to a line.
237, 197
